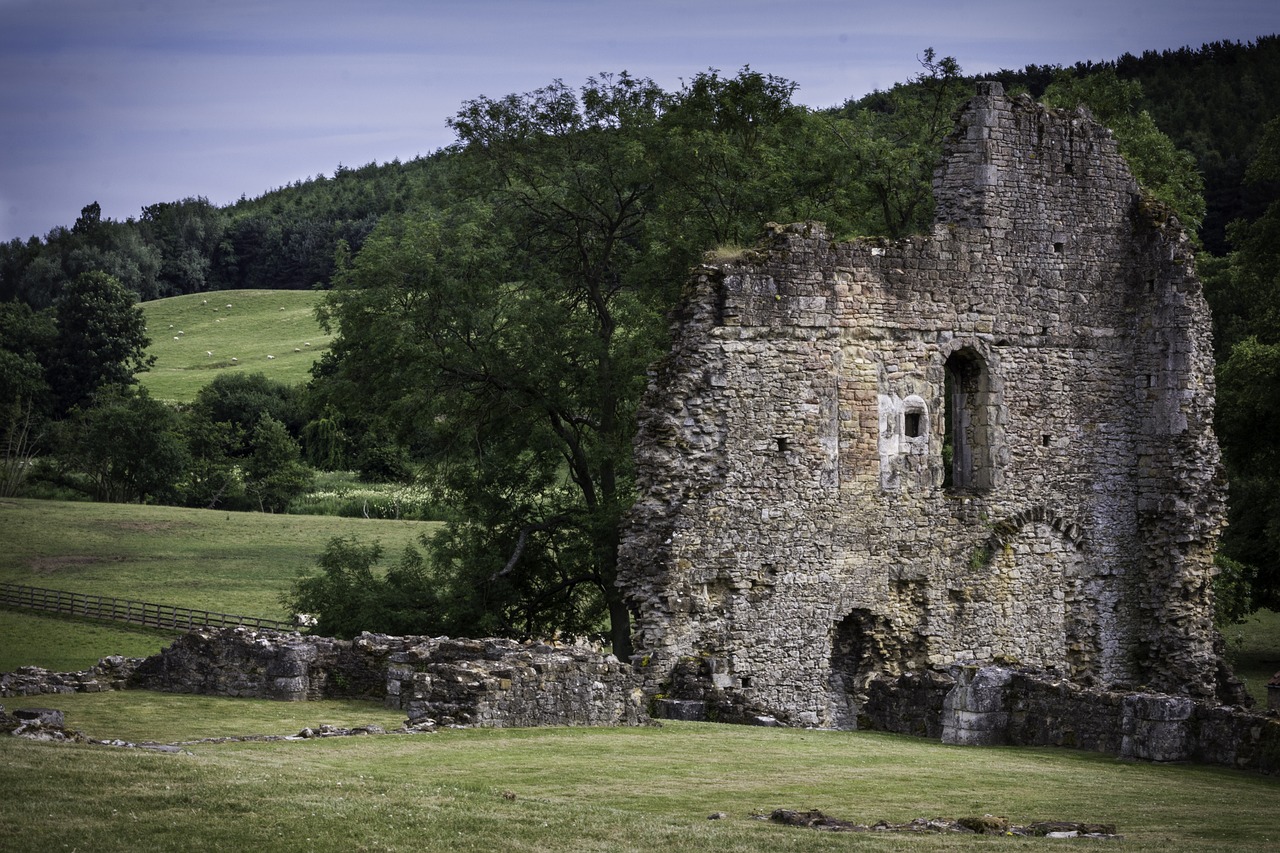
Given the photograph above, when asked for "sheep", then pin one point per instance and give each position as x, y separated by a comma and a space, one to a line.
175, 337
206, 352
297, 349
234, 360
271, 356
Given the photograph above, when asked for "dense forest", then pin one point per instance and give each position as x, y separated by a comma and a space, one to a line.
497, 304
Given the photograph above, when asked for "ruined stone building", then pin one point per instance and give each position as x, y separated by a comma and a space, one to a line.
863, 460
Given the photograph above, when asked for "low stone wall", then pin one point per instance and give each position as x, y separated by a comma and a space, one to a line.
110, 673
270, 665
492, 682
505, 683
992, 706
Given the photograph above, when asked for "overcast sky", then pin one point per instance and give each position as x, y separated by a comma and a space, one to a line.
132, 102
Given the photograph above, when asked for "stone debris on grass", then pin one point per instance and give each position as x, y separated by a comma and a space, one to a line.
984, 825
48, 724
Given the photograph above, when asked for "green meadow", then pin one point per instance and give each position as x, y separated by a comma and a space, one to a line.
196, 336
205, 559
574, 789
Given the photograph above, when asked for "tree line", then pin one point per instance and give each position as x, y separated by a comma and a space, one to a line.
497, 305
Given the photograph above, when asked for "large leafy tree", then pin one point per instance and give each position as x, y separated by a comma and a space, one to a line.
128, 446
894, 139
507, 332
511, 337
26, 340
274, 473
1244, 292
101, 339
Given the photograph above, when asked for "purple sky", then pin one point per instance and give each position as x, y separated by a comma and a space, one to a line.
131, 102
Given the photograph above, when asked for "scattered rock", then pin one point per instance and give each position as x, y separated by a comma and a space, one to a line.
985, 825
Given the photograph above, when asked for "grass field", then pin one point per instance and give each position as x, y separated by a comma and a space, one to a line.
205, 559
639, 789
196, 336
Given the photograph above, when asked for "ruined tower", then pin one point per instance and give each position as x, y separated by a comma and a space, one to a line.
990, 444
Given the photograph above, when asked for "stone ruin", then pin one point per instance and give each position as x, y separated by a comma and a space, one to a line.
963, 486
486, 682
874, 459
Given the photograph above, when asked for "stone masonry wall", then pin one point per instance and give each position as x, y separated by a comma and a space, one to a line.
990, 444
986, 706
491, 682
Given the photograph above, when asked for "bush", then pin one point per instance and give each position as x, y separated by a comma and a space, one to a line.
349, 597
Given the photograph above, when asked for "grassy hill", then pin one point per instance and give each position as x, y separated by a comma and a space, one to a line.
204, 559
194, 337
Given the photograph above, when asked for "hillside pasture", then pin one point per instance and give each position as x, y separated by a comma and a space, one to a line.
203, 559
197, 336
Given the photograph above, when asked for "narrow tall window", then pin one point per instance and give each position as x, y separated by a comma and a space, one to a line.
967, 423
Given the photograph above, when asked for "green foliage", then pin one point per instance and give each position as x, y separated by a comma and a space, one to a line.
187, 235
895, 138
1244, 292
506, 332
245, 400
212, 475
128, 446
101, 339
26, 341
345, 494
1232, 592
325, 441
351, 595
273, 472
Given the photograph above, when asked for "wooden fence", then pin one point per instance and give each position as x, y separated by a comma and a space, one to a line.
123, 610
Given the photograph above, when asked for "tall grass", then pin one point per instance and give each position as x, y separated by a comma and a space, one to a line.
341, 494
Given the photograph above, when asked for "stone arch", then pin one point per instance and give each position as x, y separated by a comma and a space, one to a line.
1005, 529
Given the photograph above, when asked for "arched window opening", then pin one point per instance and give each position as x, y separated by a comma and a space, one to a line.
968, 419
